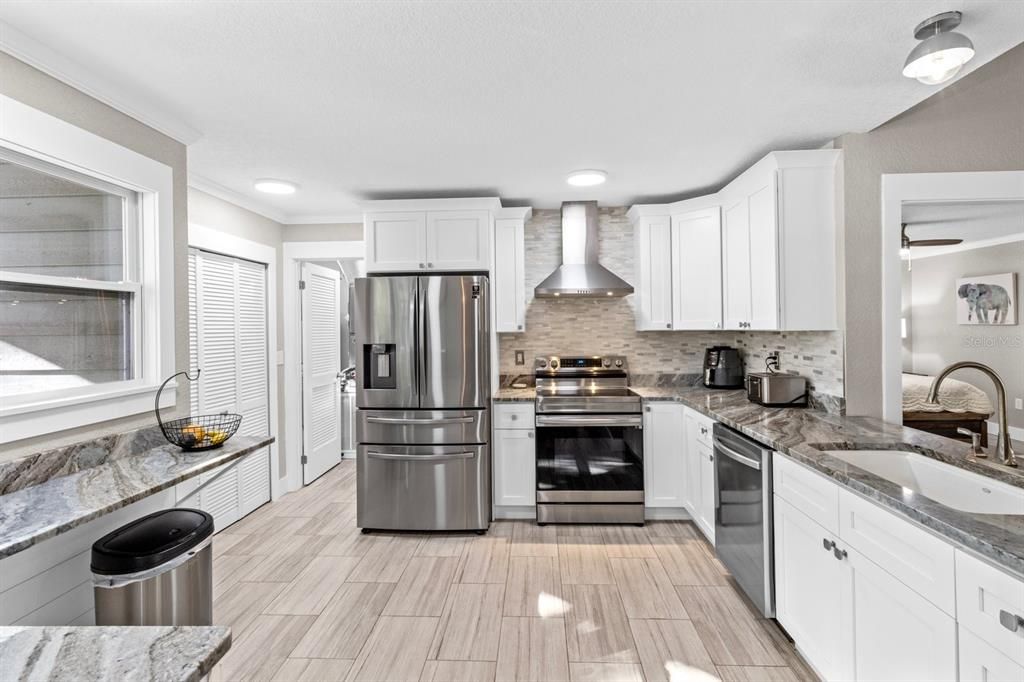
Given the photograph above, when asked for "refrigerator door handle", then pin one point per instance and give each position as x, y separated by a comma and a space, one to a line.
420, 458
421, 338
402, 420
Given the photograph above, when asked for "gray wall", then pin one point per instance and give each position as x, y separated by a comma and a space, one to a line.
939, 341
29, 85
975, 124
587, 326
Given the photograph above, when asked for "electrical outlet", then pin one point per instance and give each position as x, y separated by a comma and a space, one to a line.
1018, 403
521, 358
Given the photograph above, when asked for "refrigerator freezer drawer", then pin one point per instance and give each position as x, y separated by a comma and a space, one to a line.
423, 427
432, 487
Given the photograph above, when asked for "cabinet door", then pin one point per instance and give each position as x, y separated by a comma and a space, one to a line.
697, 270
515, 466
807, 589
664, 463
764, 261
509, 276
458, 240
691, 469
893, 632
736, 264
981, 662
395, 242
654, 273
706, 501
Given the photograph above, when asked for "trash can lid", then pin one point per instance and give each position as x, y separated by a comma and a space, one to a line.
150, 541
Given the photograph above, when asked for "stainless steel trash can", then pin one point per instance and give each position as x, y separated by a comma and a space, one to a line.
157, 570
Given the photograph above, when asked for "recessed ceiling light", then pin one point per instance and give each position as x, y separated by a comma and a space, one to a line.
272, 186
586, 178
942, 51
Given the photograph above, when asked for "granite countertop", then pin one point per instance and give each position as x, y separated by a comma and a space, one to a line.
802, 434
70, 654
514, 395
33, 514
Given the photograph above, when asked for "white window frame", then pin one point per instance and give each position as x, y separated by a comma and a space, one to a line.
34, 134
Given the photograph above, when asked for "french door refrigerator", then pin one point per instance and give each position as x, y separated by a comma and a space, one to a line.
422, 426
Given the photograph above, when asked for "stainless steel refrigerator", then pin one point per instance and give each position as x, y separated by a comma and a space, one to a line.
423, 375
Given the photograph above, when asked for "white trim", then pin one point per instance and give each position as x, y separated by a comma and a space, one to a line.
52, 63
329, 219
232, 197
41, 136
467, 204
932, 251
211, 239
294, 254
67, 282
898, 189
502, 512
1016, 432
667, 513
523, 213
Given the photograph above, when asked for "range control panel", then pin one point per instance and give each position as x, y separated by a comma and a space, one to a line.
588, 364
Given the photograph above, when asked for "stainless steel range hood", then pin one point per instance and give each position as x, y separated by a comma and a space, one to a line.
580, 275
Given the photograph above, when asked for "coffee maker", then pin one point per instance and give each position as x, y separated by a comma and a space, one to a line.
723, 367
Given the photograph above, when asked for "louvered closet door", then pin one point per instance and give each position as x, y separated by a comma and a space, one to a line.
228, 341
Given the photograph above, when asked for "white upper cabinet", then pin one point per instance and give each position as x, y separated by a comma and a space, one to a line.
396, 242
508, 276
454, 240
458, 240
653, 238
762, 251
697, 269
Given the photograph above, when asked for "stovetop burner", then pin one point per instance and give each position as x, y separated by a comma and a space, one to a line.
584, 385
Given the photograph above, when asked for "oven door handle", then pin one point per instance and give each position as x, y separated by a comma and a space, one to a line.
589, 420
732, 454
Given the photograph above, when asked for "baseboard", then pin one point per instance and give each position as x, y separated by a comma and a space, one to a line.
524, 512
667, 514
1016, 432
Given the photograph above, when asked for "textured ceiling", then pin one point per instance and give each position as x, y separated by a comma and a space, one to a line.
378, 100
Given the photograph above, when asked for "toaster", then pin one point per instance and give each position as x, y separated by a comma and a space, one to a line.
777, 390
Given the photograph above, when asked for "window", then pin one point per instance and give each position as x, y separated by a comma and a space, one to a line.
86, 276
69, 289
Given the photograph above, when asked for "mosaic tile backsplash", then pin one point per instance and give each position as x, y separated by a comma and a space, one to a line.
587, 326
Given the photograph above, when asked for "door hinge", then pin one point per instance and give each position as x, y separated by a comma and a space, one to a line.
305, 459
302, 284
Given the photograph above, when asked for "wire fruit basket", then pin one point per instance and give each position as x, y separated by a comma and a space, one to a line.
203, 432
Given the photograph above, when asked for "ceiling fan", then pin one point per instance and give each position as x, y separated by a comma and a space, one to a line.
906, 242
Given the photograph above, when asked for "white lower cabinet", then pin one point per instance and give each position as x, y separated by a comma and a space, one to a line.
664, 459
515, 483
700, 472
855, 619
982, 662
808, 598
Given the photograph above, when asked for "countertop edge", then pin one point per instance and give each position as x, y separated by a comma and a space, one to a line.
77, 519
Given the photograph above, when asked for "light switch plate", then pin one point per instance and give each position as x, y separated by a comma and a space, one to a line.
1018, 403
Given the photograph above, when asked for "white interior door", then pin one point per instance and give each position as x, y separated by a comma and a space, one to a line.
321, 370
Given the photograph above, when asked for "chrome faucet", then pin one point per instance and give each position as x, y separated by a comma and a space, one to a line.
1004, 450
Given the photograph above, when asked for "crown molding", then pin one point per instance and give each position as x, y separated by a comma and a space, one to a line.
52, 63
232, 197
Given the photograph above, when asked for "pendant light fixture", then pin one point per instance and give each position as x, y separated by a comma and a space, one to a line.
942, 51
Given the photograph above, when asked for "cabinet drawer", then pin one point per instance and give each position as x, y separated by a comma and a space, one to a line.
989, 604
980, 662
812, 493
513, 416
913, 556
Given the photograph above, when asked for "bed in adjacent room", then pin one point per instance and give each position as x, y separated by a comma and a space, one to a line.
961, 405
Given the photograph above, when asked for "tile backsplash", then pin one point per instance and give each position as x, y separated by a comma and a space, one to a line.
588, 326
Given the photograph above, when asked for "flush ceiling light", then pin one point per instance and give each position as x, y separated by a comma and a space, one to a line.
941, 53
586, 178
272, 186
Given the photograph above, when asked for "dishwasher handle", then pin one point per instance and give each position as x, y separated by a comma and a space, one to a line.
736, 456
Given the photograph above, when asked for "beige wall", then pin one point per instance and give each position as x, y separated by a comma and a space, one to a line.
333, 232
975, 124
26, 84
936, 338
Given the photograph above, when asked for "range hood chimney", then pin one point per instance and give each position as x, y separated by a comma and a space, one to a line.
580, 275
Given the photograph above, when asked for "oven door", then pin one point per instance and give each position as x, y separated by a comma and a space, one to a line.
590, 459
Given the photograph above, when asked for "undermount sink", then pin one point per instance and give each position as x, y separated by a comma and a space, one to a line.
938, 481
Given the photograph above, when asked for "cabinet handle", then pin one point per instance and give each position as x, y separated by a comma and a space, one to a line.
519, 327
530, 434
647, 409
711, 458
422, 265
1010, 621
513, 417
839, 554
829, 545
668, 325
430, 265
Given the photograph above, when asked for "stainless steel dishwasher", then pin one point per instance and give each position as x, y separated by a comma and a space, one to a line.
743, 514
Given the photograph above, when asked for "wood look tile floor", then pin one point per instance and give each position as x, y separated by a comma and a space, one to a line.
309, 597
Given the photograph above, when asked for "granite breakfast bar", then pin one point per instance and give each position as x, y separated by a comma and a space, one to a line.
803, 434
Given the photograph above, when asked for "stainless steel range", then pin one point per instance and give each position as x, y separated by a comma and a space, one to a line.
589, 441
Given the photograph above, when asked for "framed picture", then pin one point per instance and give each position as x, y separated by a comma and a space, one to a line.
987, 299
